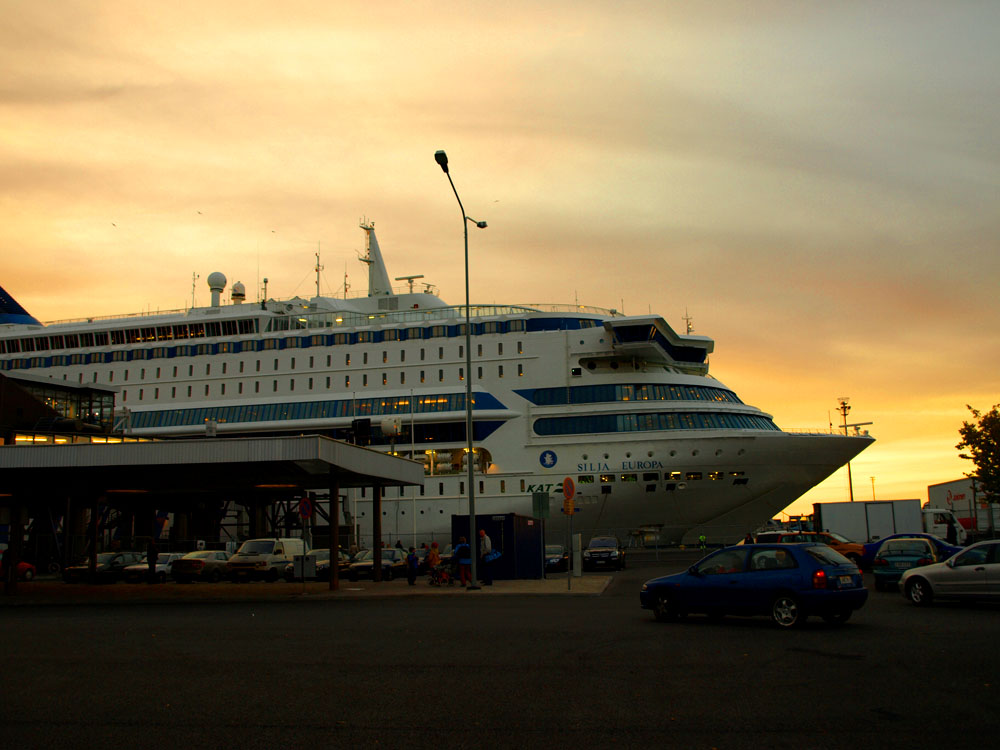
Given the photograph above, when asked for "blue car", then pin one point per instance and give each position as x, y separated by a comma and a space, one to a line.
941, 547
789, 582
898, 555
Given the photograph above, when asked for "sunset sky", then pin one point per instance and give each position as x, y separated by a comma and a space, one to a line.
817, 184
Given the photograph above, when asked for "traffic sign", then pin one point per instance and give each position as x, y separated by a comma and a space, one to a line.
569, 489
305, 508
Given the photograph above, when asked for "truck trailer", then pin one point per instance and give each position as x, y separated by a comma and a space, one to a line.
869, 521
972, 509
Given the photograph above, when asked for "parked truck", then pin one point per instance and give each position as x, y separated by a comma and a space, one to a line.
972, 509
868, 521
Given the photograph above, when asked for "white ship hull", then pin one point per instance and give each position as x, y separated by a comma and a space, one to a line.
623, 406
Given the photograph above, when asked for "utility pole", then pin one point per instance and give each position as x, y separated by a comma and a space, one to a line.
844, 408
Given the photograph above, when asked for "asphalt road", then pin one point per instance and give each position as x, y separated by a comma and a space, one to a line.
494, 672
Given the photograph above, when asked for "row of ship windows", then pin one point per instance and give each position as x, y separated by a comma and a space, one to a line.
310, 384
594, 394
606, 423
650, 478
357, 407
214, 329
67, 360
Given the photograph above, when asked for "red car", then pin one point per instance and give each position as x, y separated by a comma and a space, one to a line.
25, 571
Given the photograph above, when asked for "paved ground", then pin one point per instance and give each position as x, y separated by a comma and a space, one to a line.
402, 669
54, 591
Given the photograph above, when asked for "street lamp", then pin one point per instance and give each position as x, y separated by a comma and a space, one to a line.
442, 159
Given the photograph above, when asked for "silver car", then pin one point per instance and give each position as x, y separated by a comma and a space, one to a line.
973, 573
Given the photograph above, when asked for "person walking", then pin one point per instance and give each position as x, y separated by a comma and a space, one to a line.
486, 557
412, 563
152, 555
951, 535
463, 553
433, 560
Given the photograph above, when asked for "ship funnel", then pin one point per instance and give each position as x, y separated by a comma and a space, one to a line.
239, 293
216, 283
378, 277
11, 313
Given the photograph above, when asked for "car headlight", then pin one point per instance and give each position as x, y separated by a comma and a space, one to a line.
644, 587
614, 553
586, 553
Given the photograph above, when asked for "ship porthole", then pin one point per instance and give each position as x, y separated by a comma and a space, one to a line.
718, 452
673, 453
740, 452
695, 452
605, 456
649, 454
584, 456
628, 454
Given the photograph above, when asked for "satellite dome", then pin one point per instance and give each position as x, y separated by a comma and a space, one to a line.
239, 293
216, 282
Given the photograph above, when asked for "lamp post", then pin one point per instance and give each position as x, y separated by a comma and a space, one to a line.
442, 159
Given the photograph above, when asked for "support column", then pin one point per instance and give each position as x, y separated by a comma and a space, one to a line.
334, 530
15, 539
94, 524
67, 550
376, 533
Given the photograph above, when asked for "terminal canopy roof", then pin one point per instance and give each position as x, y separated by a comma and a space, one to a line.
231, 467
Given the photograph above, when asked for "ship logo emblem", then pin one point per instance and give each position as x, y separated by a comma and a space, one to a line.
548, 459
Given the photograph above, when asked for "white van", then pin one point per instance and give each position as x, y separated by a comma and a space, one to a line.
264, 559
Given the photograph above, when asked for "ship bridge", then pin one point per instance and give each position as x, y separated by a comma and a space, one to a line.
650, 338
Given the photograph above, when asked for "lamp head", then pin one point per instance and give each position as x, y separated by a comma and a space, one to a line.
481, 224
442, 158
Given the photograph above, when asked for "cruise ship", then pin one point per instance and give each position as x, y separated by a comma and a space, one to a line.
623, 405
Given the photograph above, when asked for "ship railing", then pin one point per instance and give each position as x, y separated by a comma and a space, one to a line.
337, 319
456, 314
122, 316
813, 431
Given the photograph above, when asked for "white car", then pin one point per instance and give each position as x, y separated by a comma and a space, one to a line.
140, 571
973, 573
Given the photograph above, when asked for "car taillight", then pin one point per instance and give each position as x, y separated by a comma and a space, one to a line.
924, 561
200, 564
819, 579
880, 561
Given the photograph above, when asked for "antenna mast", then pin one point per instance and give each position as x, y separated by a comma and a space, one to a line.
318, 269
194, 280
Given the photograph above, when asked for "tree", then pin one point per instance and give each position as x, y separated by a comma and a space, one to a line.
981, 440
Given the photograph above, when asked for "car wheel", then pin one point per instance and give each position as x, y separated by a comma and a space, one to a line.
54, 568
215, 576
352, 577
919, 592
665, 610
271, 576
161, 577
786, 613
29, 574
387, 574
837, 618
